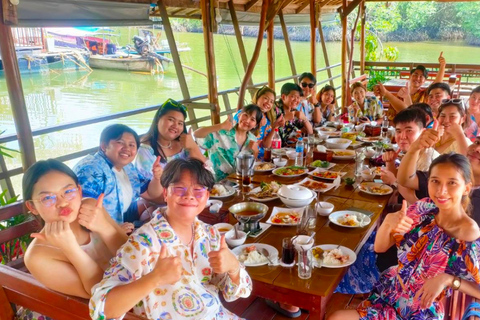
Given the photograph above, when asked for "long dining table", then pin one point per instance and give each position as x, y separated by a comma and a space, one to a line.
283, 284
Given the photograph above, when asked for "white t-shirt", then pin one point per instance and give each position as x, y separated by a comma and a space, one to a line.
125, 186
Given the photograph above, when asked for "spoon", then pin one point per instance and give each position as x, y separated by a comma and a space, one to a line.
236, 231
311, 237
266, 254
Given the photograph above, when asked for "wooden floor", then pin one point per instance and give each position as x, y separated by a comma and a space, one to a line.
254, 308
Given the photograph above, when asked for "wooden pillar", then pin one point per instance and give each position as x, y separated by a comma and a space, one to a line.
313, 38
270, 56
15, 92
362, 39
287, 45
343, 17
210, 58
324, 49
256, 53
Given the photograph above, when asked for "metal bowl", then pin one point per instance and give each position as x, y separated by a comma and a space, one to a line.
238, 208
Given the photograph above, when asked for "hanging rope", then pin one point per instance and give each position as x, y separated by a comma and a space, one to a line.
230, 51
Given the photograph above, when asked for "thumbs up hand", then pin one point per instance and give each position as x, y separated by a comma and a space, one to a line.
168, 269
157, 169
92, 215
227, 125
441, 60
428, 138
186, 140
398, 221
223, 260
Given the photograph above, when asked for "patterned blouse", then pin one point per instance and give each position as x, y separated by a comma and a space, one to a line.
222, 149
423, 253
194, 296
146, 157
95, 176
373, 110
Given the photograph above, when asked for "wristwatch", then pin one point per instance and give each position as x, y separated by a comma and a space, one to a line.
456, 283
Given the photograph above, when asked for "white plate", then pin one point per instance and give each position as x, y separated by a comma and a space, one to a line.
273, 253
275, 210
341, 174
267, 170
347, 251
329, 185
252, 193
370, 139
333, 217
289, 176
347, 157
282, 151
356, 144
326, 129
230, 191
331, 165
373, 184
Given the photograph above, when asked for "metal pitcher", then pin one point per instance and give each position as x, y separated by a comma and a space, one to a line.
245, 163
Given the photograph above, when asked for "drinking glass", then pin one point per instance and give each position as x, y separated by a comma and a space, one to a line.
288, 251
312, 217
305, 263
359, 160
302, 224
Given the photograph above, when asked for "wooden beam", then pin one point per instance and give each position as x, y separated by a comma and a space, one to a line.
17, 98
274, 9
271, 54
349, 8
344, 58
207, 18
313, 38
9, 13
250, 4
362, 39
256, 53
324, 49
287, 45
192, 12
303, 6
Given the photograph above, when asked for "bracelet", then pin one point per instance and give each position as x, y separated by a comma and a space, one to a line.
231, 273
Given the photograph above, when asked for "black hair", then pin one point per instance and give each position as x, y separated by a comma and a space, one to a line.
421, 68
308, 75
425, 107
289, 87
475, 90
440, 85
174, 169
327, 88
270, 114
461, 109
250, 109
461, 163
115, 132
151, 136
411, 115
38, 170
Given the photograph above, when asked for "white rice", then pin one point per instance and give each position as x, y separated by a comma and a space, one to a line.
253, 257
221, 190
334, 257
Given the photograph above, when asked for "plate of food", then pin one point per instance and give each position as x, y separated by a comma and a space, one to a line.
316, 185
221, 191
370, 139
251, 254
322, 164
326, 174
266, 192
263, 166
282, 151
333, 256
377, 171
343, 154
356, 144
349, 219
285, 216
290, 172
375, 189
327, 129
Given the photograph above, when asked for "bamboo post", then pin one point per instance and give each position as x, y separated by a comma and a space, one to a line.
256, 53
313, 38
362, 39
344, 57
270, 56
15, 92
206, 7
287, 45
324, 49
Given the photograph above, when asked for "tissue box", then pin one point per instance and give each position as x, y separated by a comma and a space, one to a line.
372, 131
214, 218
324, 156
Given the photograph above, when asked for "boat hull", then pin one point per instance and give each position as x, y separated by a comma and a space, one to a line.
114, 62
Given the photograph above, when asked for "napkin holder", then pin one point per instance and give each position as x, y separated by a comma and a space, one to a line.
324, 156
214, 218
372, 131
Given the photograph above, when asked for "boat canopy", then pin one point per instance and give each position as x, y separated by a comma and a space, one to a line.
78, 13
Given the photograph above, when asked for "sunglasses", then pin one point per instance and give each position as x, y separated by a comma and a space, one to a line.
198, 191
310, 85
458, 102
172, 103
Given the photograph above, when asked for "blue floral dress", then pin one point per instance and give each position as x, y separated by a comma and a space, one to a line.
423, 253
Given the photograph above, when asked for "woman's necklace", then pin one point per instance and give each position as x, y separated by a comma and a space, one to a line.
166, 147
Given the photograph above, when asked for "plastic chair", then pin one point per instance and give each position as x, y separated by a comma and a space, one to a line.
471, 312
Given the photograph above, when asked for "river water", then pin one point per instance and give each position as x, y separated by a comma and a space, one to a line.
63, 97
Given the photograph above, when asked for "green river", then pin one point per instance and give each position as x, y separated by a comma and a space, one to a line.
63, 97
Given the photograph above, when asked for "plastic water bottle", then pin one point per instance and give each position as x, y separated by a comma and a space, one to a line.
276, 140
299, 149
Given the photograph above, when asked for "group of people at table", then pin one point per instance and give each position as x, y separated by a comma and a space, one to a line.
173, 266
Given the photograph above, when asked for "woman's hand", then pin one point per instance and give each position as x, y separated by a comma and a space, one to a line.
456, 131
399, 222
186, 140
431, 289
379, 89
227, 125
279, 123
58, 234
263, 121
157, 169
168, 270
388, 177
128, 227
223, 260
92, 216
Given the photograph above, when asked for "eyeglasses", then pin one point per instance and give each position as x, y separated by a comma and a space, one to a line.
310, 85
50, 199
172, 103
198, 191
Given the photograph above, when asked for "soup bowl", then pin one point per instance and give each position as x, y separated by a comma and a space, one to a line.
249, 214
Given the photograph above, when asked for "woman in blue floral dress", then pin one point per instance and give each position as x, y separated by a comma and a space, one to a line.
438, 249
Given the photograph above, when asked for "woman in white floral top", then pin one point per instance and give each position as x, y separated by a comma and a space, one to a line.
364, 109
174, 266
